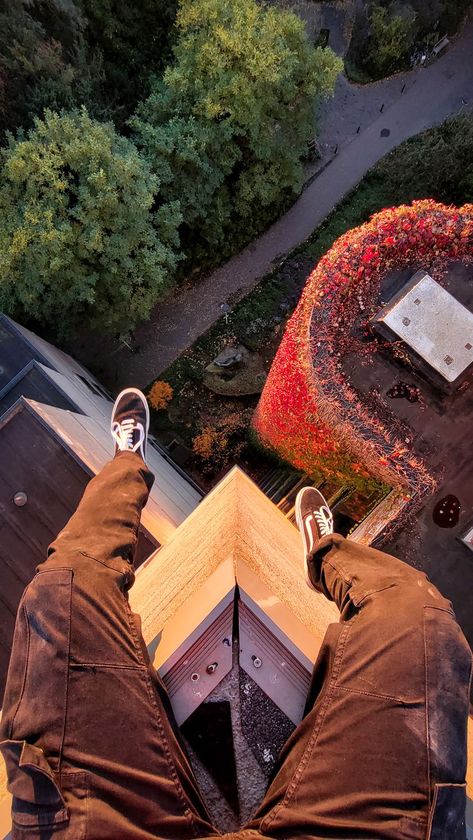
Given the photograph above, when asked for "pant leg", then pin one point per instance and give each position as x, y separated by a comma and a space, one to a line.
90, 742
381, 751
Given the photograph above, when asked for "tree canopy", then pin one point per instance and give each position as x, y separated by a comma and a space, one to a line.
392, 36
97, 53
135, 42
226, 126
90, 219
45, 62
83, 236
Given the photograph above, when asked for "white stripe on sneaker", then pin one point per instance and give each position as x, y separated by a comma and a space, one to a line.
309, 532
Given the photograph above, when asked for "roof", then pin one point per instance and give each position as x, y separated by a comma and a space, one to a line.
54, 483
34, 382
80, 391
171, 499
235, 526
36, 461
84, 395
34, 347
433, 323
15, 352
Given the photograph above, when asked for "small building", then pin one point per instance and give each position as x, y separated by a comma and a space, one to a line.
19, 346
437, 330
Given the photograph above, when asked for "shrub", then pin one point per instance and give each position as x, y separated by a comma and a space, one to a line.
160, 395
387, 31
210, 443
223, 440
392, 37
438, 162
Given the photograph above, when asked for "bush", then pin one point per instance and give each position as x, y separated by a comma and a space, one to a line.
387, 31
437, 163
45, 63
223, 441
393, 34
160, 395
79, 240
210, 444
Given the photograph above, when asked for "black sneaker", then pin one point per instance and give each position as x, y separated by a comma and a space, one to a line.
314, 520
130, 422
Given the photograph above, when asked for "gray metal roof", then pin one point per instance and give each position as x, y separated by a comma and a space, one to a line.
433, 323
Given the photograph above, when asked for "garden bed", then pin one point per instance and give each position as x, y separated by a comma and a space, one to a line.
194, 410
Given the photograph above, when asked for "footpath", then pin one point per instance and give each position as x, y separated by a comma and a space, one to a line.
434, 93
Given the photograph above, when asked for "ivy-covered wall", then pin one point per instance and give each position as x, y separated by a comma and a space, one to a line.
308, 413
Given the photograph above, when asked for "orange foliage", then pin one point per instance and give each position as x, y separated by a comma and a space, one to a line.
160, 395
209, 443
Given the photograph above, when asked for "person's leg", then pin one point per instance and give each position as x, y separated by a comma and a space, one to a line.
90, 743
381, 751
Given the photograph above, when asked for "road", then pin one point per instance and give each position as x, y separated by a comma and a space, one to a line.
434, 93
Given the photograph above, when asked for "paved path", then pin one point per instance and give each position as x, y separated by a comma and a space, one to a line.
433, 94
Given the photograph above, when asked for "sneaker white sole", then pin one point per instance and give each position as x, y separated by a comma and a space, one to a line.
300, 525
146, 406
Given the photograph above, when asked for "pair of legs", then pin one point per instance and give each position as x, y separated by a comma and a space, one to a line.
91, 747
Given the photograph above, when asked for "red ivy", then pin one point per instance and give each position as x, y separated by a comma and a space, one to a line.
307, 412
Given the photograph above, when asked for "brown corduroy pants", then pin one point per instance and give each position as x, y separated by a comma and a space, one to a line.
91, 746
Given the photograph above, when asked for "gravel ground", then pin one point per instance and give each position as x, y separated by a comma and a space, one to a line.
252, 779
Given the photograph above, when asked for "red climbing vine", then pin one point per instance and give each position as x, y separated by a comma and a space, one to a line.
308, 412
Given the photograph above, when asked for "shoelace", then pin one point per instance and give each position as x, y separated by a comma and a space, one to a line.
324, 519
123, 434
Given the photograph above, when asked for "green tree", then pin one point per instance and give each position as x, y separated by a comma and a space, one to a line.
134, 39
38, 70
82, 237
393, 33
227, 125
